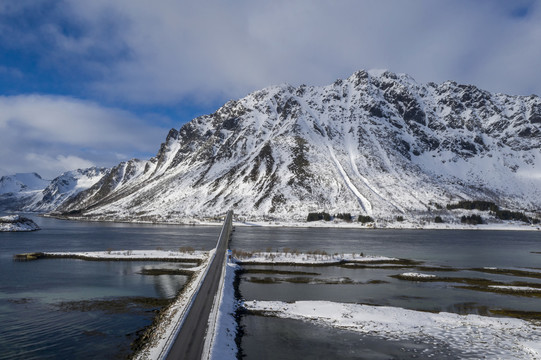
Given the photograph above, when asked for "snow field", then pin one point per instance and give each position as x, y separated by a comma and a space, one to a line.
472, 335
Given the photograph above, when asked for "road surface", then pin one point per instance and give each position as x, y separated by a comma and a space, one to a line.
191, 337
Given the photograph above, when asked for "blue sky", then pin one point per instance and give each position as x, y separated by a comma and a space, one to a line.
86, 83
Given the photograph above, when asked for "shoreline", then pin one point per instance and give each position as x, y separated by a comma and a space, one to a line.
197, 256
154, 338
321, 224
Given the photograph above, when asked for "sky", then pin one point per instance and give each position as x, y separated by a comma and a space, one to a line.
94, 83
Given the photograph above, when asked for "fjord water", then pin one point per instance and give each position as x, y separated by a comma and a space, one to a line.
459, 250
35, 324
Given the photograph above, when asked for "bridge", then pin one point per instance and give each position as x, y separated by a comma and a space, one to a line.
190, 339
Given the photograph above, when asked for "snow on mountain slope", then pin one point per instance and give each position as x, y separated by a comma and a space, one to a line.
112, 184
65, 186
20, 189
376, 143
29, 192
22, 182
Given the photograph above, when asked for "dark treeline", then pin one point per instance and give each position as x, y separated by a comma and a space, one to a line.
494, 210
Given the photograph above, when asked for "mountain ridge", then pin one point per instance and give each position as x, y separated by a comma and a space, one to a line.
284, 151
34, 194
376, 143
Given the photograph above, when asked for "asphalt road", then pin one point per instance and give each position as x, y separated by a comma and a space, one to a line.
191, 337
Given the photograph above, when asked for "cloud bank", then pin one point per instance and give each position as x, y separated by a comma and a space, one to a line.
161, 52
168, 56
50, 134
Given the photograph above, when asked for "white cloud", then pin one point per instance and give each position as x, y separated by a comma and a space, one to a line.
171, 51
60, 163
226, 49
50, 134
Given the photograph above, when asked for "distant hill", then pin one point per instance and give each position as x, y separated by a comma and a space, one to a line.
29, 192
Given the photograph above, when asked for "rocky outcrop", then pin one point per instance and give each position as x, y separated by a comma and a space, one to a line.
17, 223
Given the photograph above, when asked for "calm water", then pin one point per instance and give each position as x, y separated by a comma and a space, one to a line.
461, 248
274, 338
35, 325
285, 339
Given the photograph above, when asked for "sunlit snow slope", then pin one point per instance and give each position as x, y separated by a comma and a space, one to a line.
29, 192
376, 143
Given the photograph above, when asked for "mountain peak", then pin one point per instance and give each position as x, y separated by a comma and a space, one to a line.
22, 182
376, 143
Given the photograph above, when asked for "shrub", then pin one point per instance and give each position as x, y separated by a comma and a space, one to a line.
363, 219
344, 216
438, 220
186, 249
318, 216
512, 215
472, 219
474, 205
400, 218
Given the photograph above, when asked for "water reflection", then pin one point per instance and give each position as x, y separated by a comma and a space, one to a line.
459, 251
34, 327
285, 339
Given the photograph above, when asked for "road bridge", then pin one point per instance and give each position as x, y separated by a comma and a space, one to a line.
190, 340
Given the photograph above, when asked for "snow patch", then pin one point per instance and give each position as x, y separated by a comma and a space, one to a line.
136, 254
224, 346
515, 288
417, 275
365, 204
473, 335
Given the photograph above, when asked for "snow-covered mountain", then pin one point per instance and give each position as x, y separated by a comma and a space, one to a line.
29, 192
377, 143
66, 186
16, 191
22, 182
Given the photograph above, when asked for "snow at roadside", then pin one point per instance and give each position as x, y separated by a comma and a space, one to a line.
472, 335
306, 258
224, 346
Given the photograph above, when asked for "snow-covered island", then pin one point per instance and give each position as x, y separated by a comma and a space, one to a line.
180, 255
17, 223
288, 256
